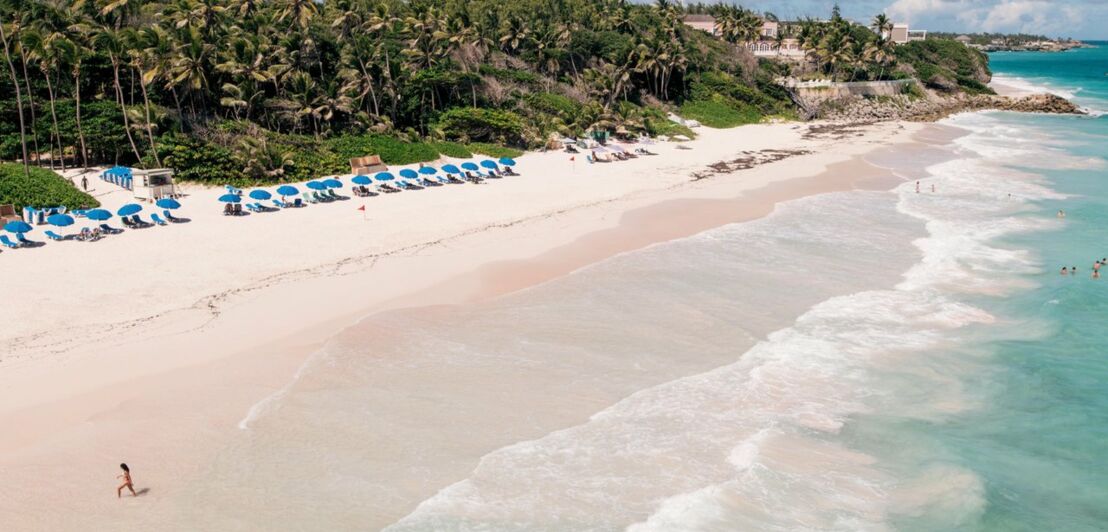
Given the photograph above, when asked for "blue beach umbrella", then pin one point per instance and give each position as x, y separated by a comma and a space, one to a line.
168, 203
98, 215
470, 166
361, 180
287, 190
427, 170
315, 185
408, 173
450, 169
230, 198
491, 165
17, 226
384, 176
332, 183
60, 220
260, 194
507, 161
129, 209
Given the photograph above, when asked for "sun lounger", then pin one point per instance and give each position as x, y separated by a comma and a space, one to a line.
238, 209
297, 203
8, 243
157, 219
127, 221
169, 216
23, 240
228, 209
332, 194
139, 221
54, 236
109, 229
320, 197
252, 207
280, 204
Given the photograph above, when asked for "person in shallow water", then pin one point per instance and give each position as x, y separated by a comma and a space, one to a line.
126, 476
1061, 213
1065, 271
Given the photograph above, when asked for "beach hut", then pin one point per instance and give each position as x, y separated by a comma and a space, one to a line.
153, 184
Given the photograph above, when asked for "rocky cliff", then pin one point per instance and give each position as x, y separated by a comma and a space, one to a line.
933, 107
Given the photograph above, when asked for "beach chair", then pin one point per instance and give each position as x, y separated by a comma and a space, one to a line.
330, 193
169, 216
237, 209
297, 203
280, 204
109, 229
8, 243
23, 240
127, 221
157, 219
139, 222
228, 209
252, 207
54, 236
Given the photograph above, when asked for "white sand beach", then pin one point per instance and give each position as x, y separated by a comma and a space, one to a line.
153, 345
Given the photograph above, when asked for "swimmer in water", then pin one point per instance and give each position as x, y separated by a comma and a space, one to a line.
1065, 271
1061, 213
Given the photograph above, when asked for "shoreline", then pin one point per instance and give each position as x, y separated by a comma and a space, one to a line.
206, 375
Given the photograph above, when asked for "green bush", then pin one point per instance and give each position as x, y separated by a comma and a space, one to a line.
391, 150
493, 150
195, 160
719, 112
452, 149
44, 188
470, 124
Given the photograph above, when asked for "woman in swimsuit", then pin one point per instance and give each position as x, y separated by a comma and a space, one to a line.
126, 476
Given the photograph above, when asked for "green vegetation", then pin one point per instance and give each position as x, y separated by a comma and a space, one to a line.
494, 151
42, 188
241, 91
947, 66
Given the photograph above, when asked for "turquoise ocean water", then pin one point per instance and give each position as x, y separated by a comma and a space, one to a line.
856, 361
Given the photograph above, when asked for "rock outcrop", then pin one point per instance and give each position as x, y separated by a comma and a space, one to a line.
903, 107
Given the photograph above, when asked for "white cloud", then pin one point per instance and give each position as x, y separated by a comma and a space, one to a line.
1029, 16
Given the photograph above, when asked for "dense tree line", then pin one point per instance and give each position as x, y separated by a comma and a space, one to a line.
93, 81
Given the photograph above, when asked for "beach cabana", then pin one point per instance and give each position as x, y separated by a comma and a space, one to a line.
117, 175
153, 184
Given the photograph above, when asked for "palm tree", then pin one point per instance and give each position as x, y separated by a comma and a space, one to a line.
44, 52
882, 25
18, 99
111, 41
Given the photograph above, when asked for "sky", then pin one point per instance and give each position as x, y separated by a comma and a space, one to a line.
1080, 19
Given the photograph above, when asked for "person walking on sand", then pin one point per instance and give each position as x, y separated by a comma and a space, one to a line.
126, 476
917, 187
84, 183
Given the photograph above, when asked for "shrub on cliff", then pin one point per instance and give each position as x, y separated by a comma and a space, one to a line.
946, 65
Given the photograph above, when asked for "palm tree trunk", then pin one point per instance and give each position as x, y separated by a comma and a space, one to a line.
80, 132
54, 120
122, 108
30, 102
149, 127
18, 99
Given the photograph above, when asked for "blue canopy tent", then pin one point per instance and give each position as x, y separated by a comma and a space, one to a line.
361, 180
60, 220
287, 190
507, 161
451, 169
129, 209
168, 203
260, 194
230, 198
